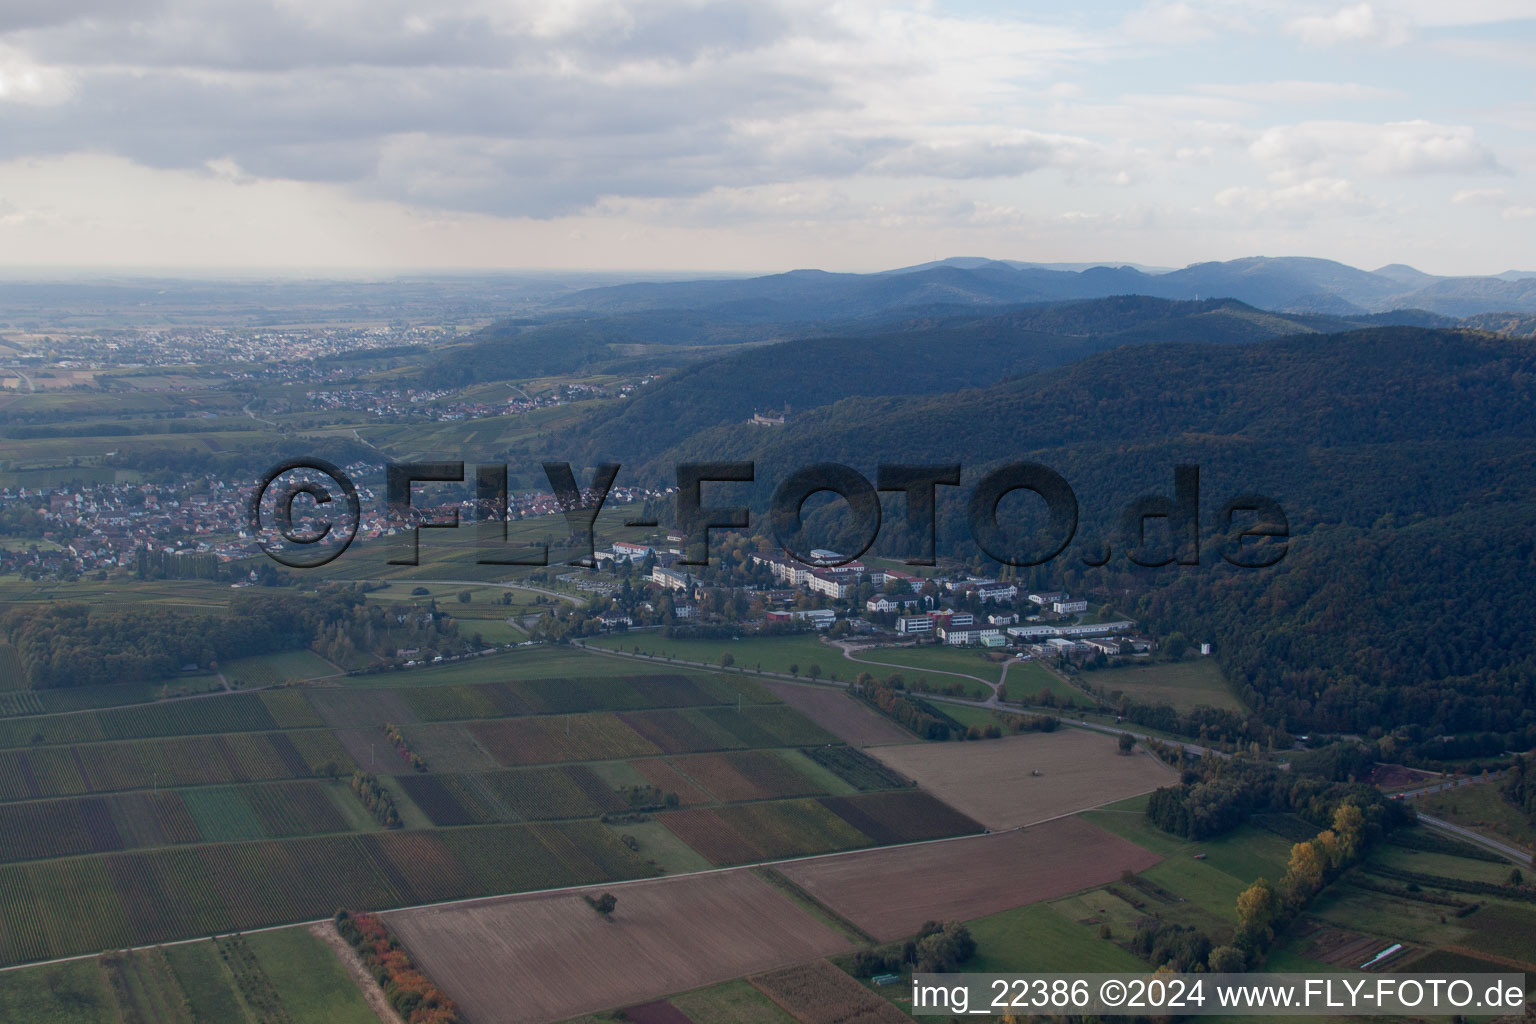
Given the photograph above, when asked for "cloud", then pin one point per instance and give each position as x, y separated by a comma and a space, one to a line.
1010, 155
1307, 200
25, 82
1295, 91
1479, 197
1495, 198
1177, 21
1315, 148
522, 108
1349, 25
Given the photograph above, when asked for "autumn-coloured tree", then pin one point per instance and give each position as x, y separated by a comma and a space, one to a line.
1256, 906
1349, 826
1306, 871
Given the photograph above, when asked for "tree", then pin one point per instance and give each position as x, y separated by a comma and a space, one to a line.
603, 904
944, 950
1349, 826
1227, 960
1127, 743
727, 660
1256, 906
1305, 873
466, 596
814, 671
794, 670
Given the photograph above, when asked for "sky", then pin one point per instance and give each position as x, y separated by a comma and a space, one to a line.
307, 136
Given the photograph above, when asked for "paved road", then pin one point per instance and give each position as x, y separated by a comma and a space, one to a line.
1511, 853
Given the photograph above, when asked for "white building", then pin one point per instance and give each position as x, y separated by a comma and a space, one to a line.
887, 603
671, 578
1033, 632
914, 624
833, 584
914, 583
1067, 606
631, 551
959, 636
1096, 629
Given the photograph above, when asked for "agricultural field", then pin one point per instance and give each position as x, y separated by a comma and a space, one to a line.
276, 669
819, 993
1046, 937
734, 1002
1184, 684
542, 661
770, 653
846, 718
747, 775
241, 800
773, 830
966, 878
284, 975
1445, 924
540, 958
1078, 769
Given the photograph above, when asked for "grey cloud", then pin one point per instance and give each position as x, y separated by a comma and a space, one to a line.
453, 109
266, 36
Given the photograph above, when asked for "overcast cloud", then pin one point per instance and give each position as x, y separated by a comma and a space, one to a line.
749, 135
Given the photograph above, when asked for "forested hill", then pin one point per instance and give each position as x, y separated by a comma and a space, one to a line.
938, 354
1401, 457
1376, 386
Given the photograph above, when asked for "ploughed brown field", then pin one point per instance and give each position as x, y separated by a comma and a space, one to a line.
889, 893
539, 958
993, 781
838, 713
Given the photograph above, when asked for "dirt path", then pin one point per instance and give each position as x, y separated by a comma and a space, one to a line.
326, 932
993, 701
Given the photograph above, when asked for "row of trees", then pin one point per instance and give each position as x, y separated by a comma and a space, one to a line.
918, 715
403, 748
935, 949
412, 994
1264, 909
366, 786
1218, 794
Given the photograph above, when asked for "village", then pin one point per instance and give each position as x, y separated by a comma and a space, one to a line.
772, 592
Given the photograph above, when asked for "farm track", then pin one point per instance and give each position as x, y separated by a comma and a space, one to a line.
994, 701
377, 1001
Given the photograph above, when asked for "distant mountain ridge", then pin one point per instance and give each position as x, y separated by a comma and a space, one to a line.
1285, 284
